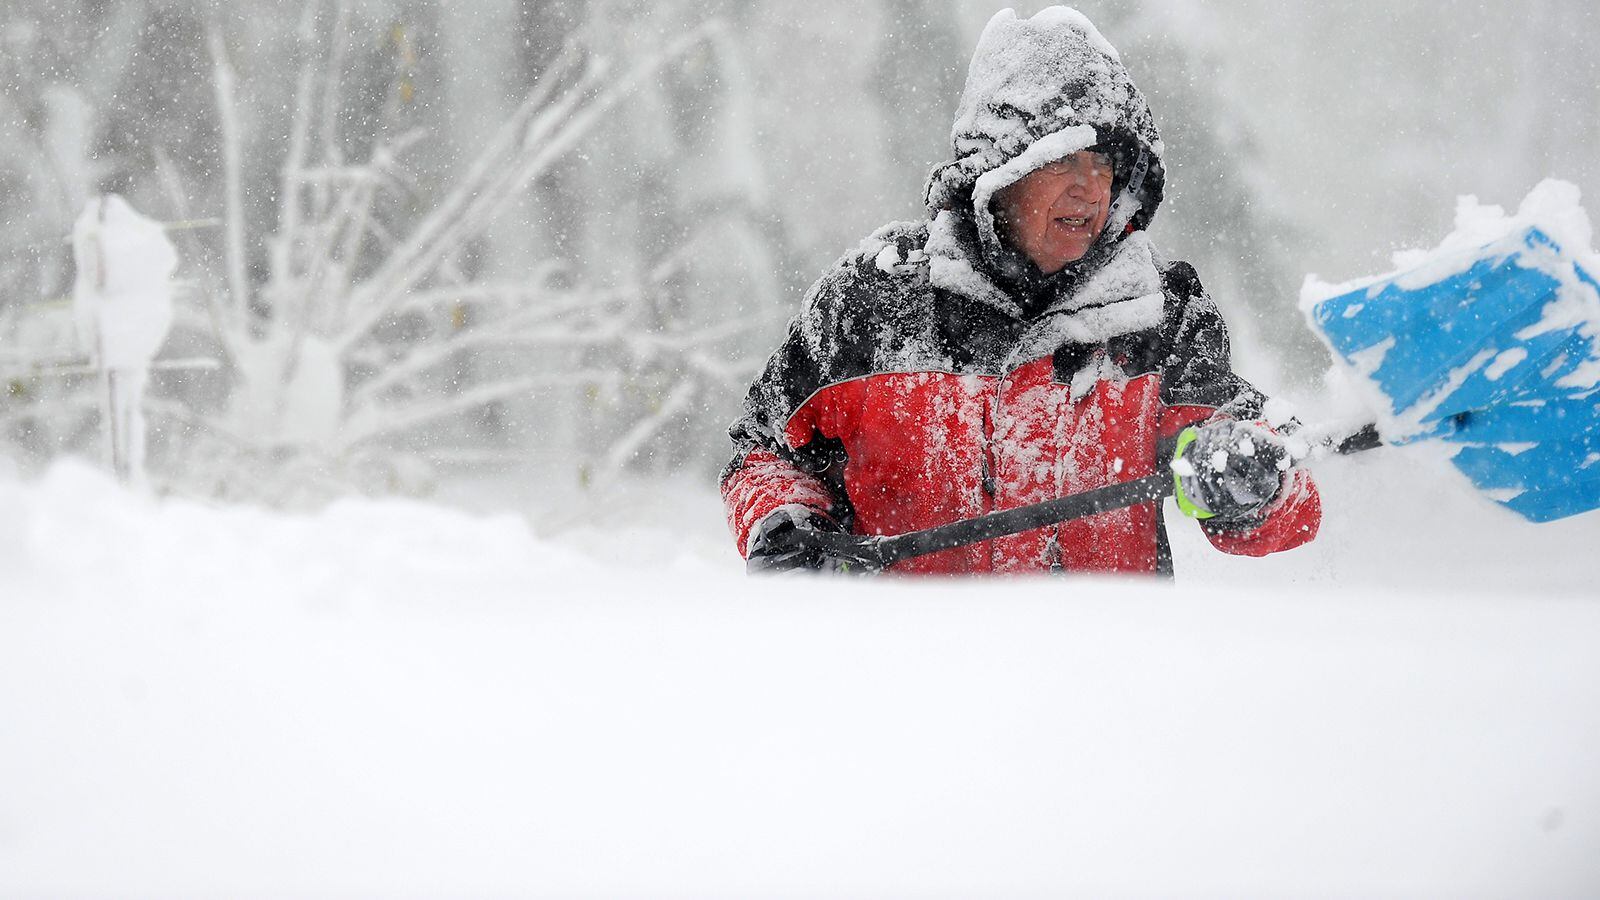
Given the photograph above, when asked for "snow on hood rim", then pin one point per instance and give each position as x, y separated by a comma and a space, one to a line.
1048, 149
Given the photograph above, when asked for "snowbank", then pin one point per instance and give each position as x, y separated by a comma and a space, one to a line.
393, 699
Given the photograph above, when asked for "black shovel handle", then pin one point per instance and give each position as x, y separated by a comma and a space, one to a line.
874, 553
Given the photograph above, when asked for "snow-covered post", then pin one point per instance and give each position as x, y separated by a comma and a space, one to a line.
122, 299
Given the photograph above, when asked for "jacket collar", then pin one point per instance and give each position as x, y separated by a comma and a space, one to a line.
1120, 296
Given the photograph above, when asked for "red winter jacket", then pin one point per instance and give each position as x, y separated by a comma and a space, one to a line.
913, 391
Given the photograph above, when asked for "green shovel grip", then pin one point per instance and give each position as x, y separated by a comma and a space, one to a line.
1185, 505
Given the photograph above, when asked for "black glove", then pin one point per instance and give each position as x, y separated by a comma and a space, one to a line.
776, 546
1230, 471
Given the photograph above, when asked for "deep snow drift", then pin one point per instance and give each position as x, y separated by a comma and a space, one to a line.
394, 699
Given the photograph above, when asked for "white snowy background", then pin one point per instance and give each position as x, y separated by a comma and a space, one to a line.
428, 592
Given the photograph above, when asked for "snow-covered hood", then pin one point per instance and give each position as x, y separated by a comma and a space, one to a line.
1039, 89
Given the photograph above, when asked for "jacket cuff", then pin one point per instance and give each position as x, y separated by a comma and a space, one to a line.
762, 484
1290, 520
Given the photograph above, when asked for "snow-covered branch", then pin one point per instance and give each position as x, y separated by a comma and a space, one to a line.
372, 303
629, 445
232, 178
382, 423
544, 129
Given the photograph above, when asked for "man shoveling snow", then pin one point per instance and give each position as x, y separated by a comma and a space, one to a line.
1028, 342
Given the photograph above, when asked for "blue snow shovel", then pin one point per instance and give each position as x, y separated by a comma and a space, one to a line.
1494, 353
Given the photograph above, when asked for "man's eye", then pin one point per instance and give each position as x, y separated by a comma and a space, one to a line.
1098, 165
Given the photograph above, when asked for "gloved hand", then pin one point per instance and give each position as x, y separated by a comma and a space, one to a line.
1229, 470
775, 548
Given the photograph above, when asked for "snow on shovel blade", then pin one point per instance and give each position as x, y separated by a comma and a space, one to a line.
1493, 351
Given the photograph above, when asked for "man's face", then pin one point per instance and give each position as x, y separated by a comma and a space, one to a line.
1054, 213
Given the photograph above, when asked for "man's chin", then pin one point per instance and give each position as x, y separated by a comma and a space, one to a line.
1061, 260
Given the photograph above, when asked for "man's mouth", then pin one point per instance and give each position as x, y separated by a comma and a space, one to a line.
1073, 221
